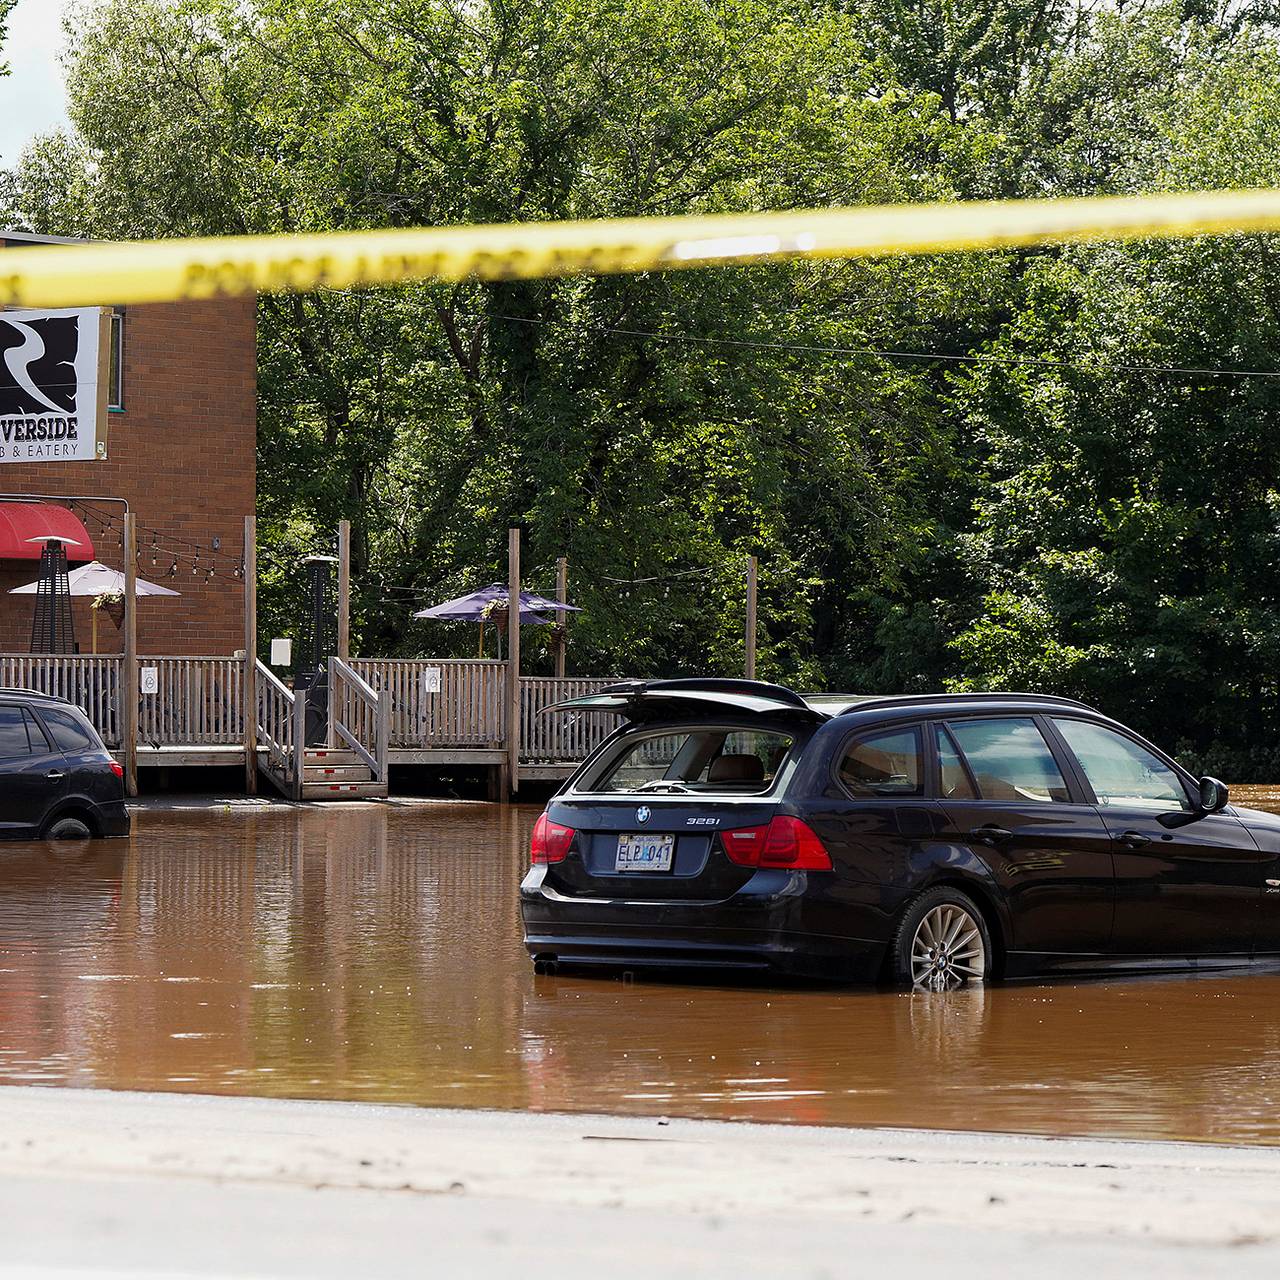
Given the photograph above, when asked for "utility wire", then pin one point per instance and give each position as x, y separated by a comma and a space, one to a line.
924, 356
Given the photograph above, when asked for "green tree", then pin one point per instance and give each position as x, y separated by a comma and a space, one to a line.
1007, 469
6, 8
622, 422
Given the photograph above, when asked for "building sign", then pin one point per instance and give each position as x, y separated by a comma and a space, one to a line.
53, 385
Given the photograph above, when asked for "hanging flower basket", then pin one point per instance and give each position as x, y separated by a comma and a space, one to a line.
112, 604
496, 612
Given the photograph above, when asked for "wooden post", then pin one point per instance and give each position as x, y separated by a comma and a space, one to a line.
562, 619
513, 659
344, 590
129, 684
250, 683
299, 742
751, 617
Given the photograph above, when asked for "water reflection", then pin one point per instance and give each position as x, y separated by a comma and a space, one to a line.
375, 954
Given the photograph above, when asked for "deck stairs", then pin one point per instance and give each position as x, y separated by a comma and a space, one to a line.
355, 764
329, 774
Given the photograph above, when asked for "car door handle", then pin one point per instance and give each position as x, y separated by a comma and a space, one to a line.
990, 834
1134, 839
54, 774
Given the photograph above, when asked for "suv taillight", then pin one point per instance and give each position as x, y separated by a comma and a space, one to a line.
117, 768
550, 841
785, 842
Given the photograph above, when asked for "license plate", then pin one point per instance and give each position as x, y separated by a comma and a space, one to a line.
645, 853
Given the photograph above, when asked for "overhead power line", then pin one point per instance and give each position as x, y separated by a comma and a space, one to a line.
929, 357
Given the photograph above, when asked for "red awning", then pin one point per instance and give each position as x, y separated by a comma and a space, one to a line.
23, 524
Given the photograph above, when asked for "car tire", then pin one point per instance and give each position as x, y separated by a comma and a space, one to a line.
941, 942
68, 829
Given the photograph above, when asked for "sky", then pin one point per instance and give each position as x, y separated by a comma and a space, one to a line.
32, 100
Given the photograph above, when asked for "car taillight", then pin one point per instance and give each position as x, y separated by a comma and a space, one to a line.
117, 768
785, 842
743, 845
550, 841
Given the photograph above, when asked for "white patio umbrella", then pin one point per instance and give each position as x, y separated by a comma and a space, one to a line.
95, 579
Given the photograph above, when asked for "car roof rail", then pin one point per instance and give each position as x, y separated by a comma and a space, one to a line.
873, 701
6, 691
711, 684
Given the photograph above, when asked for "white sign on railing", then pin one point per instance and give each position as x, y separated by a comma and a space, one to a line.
431, 680
149, 679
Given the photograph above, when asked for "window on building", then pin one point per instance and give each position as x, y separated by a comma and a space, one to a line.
115, 374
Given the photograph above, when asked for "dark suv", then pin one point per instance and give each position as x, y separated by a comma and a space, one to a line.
929, 840
57, 780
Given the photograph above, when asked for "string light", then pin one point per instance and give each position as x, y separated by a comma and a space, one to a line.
161, 541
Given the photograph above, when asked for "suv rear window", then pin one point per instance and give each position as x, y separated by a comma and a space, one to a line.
72, 735
734, 761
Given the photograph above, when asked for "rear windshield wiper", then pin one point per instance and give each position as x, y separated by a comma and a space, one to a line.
663, 784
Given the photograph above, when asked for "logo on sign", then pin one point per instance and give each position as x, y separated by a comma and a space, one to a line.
642, 814
50, 378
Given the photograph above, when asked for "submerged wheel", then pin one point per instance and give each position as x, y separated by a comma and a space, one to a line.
68, 829
942, 942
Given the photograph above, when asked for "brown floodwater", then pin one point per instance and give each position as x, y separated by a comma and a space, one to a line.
374, 953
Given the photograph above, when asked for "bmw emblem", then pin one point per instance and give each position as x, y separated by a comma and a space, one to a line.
642, 814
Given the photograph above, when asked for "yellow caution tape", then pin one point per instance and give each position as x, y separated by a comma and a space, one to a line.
169, 270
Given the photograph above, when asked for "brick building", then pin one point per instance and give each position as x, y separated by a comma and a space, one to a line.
181, 451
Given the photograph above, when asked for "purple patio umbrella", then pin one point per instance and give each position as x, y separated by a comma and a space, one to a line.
479, 606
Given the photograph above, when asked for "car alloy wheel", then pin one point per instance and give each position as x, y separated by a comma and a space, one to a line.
947, 949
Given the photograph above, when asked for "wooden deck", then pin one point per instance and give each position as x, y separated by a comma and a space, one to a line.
441, 712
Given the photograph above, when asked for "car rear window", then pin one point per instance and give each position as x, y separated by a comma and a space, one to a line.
704, 760
885, 764
71, 734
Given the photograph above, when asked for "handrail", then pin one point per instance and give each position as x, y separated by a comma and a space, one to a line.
363, 687
281, 726
370, 720
273, 679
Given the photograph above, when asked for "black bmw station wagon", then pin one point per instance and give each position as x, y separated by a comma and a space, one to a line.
925, 840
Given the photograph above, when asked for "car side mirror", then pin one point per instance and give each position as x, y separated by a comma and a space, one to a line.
1213, 795
1212, 798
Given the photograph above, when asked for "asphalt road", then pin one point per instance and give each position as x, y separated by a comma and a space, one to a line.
100, 1184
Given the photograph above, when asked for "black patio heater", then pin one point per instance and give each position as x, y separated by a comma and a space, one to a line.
53, 627
312, 676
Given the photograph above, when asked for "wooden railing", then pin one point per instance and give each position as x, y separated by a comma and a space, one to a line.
92, 683
197, 702
383, 703
281, 729
359, 717
435, 704
560, 736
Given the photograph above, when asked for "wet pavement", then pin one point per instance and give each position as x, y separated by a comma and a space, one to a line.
374, 953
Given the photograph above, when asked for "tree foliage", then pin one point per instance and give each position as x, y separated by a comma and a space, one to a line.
1033, 470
